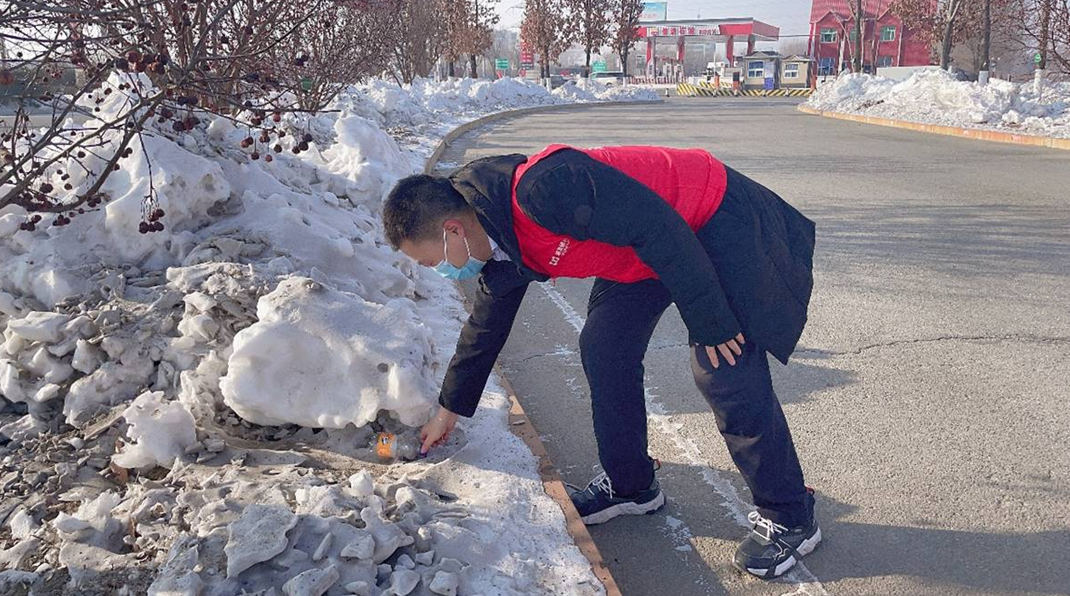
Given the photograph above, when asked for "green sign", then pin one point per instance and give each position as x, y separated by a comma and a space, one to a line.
1037, 58
306, 84
501, 64
598, 67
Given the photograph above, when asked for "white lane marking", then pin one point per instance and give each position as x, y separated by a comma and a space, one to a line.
806, 582
571, 316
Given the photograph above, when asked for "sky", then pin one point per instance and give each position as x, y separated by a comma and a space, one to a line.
792, 16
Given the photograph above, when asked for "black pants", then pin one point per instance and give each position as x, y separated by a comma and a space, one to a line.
620, 321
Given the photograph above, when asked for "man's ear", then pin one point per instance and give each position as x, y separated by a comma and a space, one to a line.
453, 226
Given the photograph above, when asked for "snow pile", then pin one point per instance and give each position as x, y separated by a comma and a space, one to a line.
355, 358
629, 93
426, 103
160, 385
586, 90
935, 97
161, 431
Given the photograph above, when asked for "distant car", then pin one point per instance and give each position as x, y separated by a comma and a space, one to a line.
556, 81
609, 78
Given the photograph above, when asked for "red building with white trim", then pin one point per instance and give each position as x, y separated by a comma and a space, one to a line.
885, 41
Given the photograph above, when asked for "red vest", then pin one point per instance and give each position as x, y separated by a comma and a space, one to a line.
691, 180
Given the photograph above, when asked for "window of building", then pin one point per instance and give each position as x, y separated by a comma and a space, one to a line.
756, 69
884, 61
791, 71
888, 33
825, 67
828, 35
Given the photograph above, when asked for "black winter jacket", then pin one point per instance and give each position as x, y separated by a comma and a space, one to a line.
749, 269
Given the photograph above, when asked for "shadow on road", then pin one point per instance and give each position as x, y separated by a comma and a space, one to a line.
993, 562
1014, 563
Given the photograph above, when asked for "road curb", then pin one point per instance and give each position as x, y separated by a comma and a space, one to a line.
521, 426
456, 133
519, 422
995, 136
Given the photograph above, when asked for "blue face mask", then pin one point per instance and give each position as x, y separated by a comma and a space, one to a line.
468, 271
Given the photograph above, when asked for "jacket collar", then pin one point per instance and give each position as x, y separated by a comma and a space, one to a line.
487, 185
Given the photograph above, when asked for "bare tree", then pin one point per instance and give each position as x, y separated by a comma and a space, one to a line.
418, 37
477, 35
859, 14
544, 30
505, 44
986, 41
160, 67
944, 23
590, 21
625, 15
985, 29
1046, 26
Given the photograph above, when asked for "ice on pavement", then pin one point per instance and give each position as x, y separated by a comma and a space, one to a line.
936, 97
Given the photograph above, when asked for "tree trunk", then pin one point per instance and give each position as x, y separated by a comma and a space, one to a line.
945, 47
1045, 33
986, 43
624, 62
449, 69
472, 66
587, 65
856, 51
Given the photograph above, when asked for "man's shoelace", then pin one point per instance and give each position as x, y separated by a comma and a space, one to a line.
769, 528
601, 481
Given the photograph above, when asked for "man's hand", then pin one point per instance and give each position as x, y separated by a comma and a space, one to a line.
438, 429
729, 349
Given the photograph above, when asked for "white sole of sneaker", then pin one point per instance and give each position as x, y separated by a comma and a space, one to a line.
625, 509
804, 549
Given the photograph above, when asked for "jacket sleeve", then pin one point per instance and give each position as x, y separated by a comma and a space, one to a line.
497, 300
573, 194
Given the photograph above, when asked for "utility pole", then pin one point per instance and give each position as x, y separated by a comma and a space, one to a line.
982, 77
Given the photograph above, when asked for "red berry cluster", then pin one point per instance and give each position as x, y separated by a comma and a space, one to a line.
137, 61
40, 200
30, 225
265, 136
154, 224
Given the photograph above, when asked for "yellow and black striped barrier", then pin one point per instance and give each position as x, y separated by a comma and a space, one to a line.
689, 90
804, 92
708, 90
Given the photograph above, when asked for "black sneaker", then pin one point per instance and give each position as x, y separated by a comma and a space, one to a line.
771, 549
597, 503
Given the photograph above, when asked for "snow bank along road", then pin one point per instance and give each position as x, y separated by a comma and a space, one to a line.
929, 395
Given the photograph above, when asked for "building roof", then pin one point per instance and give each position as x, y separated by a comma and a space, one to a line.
764, 54
798, 58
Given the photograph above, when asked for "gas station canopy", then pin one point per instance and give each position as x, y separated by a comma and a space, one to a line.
727, 31
720, 29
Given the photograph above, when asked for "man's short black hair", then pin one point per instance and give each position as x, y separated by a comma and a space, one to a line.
417, 206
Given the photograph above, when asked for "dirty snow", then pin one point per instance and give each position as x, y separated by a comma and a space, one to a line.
187, 412
587, 90
935, 97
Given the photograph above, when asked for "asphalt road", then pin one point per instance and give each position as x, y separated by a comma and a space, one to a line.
930, 395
